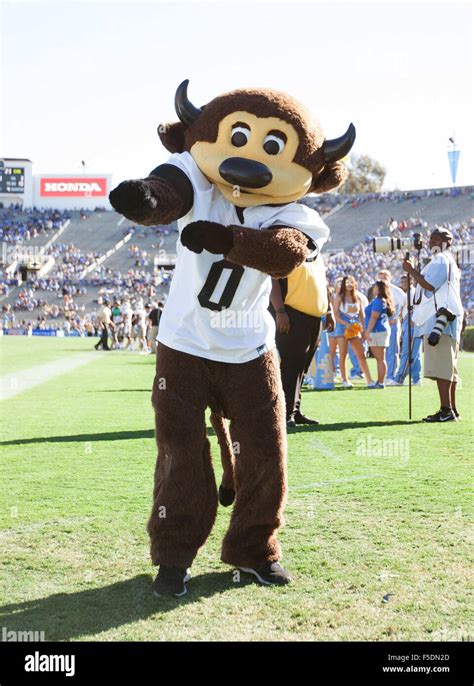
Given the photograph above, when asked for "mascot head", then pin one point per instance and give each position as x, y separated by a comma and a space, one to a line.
258, 146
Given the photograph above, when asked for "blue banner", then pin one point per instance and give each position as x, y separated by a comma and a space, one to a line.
16, 331
453, 157
44, 332
324, 377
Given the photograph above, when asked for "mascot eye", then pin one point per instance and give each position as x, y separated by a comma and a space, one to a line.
273, 145
240, 136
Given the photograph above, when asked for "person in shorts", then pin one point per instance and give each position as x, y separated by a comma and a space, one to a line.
439, 281
377, 327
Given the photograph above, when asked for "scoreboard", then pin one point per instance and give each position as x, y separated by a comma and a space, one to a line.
12, 179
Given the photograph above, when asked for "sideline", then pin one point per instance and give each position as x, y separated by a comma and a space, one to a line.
18, 382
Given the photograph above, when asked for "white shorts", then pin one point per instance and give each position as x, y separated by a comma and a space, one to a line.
379, 339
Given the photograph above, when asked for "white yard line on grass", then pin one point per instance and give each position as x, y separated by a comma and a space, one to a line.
18, 382
37, 526
321, 484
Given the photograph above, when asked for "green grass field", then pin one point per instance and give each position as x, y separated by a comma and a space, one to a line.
377, 530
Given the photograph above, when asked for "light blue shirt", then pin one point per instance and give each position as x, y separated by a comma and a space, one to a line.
436, 272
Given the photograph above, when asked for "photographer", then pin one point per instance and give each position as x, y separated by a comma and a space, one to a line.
438, 318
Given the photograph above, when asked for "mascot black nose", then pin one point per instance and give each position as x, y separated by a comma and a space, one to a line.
246, 173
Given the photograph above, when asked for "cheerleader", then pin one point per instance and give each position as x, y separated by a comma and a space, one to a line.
349, 316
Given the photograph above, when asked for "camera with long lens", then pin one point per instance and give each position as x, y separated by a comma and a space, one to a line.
386, 244
443, 316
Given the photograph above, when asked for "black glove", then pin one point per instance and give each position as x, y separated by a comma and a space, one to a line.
211, 236
133, 199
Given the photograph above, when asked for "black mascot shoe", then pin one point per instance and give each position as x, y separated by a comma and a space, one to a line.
301, 419
269, 574
171, 581
226, 496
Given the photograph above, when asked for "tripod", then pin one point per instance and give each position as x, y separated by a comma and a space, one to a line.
410, 336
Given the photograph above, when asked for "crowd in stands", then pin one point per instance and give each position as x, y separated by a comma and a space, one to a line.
326, 202
70, 261
139, 255
66, 282
19, 225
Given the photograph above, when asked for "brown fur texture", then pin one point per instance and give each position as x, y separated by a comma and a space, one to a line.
185, 494
203, 235
333, 176
219, 424
263, 102
148, 201
276, 251
250, 395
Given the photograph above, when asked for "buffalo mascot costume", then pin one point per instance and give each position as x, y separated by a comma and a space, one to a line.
237, 168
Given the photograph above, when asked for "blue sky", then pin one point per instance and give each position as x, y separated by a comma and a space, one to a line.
92, 80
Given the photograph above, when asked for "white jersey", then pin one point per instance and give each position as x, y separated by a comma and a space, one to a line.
404, 308
141, 316
127, 314
399, 298
217, 309
363, 299
104, 314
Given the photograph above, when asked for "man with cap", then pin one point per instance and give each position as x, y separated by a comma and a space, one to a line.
154, 316
438, 315
104, 316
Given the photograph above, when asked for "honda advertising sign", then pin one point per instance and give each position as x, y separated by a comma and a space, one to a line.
81, 187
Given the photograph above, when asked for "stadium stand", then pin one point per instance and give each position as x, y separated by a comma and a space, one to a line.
354, 218
101, 254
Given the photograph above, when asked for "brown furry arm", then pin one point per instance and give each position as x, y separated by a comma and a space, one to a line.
276, 251
272, 251
164, 196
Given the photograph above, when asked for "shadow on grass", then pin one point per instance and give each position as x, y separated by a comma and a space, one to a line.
91, 438
65, 616
342, 426
150, 433
80, 438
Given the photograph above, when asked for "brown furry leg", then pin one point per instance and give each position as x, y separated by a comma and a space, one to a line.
185, 495
227, 488
257, 410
